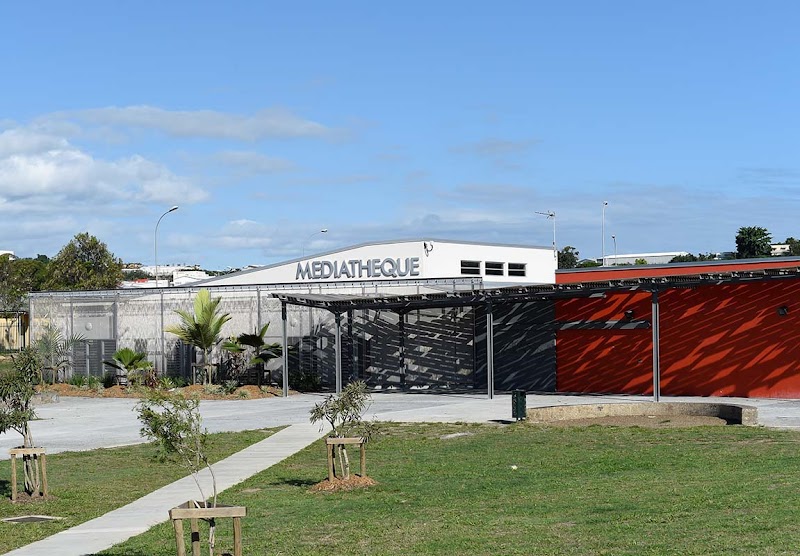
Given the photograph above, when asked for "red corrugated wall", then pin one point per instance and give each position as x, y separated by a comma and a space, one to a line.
716, 340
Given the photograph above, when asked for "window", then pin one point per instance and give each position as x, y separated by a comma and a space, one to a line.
494, 269
516, 269
470, 267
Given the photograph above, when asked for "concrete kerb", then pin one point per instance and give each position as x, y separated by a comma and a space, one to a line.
732, 413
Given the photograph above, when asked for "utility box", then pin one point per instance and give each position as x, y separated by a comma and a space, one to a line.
519, 407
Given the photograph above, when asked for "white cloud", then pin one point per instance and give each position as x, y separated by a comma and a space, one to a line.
40, 171
267, 123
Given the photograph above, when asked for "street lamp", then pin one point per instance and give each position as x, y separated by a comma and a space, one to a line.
615, 248
322, 231
603, 232
550, 214
155, 241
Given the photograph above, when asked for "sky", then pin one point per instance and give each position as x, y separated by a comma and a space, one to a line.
266, 122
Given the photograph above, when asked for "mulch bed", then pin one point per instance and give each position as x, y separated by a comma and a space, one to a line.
196, 390
340, 485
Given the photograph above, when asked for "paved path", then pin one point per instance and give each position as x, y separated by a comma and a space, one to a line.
62, 426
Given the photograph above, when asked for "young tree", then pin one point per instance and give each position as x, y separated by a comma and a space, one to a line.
16, 409
201, 329
753, 242
344, 414
176, 425
85, 263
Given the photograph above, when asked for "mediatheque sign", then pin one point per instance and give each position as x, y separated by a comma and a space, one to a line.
358, 268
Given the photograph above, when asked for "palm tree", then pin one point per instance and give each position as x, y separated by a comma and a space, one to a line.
263, 351
55, 350
127, 362
201, 329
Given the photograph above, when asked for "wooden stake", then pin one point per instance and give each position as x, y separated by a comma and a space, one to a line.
44, 474
363, 461
178, 524
13, 477
195, 538
237, 536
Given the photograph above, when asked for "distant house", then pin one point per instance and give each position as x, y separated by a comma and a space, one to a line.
650, 258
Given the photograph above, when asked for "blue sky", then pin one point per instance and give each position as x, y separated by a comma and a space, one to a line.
267, 121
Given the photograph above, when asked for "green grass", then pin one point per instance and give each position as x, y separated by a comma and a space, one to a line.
577, 491
85, 485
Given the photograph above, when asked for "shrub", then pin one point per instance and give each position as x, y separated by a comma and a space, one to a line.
229, 386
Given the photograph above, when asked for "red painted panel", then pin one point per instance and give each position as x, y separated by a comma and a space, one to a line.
716, 340
604, 361
617, 361
604, 274
729, 340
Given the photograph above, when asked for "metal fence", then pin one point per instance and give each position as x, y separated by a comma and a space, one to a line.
137, 318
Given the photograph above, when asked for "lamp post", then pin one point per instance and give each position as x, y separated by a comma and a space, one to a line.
155, 240
615, 248
308, 239
603, 232
550, 214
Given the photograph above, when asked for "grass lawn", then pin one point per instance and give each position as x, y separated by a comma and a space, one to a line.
577, 491
88, 484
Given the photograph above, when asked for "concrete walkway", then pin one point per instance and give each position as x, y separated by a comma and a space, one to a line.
139, 516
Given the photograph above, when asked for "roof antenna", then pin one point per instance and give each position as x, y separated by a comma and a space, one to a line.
428, 246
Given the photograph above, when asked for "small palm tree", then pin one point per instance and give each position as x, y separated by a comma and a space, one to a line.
55, 350
201, 329
127, 362
263, 351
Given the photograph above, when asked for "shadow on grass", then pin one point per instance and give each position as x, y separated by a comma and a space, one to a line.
5, 489
294, 482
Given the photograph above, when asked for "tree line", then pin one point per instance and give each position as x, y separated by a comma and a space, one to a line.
752, 242
85, 263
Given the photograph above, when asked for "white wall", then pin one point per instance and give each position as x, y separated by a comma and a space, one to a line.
417, 259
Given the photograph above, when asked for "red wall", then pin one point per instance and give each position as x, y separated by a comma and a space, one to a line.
716, 340
617, 361
729, 340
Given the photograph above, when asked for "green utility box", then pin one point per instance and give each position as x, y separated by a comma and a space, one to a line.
519, 407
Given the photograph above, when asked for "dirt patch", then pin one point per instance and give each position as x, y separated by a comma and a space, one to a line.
646, 421
25, 498
340, 485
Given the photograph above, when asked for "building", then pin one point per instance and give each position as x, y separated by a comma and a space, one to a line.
649, 258
137, 318
396, 317
418, 259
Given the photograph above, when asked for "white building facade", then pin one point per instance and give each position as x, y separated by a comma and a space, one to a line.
418, 259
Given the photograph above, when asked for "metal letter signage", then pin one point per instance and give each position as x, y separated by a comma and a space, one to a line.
358, 268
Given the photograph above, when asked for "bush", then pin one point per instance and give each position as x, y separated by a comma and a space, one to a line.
244, 394
303, 381
229, 386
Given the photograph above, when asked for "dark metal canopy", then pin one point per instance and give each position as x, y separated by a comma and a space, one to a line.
338, 303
